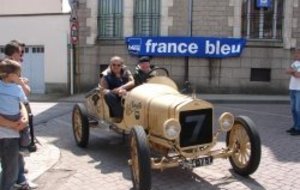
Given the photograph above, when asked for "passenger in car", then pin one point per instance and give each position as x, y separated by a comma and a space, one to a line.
116, 81
141, 70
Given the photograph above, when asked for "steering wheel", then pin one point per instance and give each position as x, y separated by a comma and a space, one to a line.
158, 71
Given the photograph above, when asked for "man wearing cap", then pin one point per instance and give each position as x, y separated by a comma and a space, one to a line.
142, 70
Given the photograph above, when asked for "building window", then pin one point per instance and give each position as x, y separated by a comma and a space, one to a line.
110, 19
262, 23
147, 17
260, 74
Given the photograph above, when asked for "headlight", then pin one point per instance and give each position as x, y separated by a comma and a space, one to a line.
172, 129
226, 121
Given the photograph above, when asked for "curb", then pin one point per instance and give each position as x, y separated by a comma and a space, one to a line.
248, 101
245, 99
214, 98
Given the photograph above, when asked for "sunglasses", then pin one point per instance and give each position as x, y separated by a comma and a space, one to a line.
116, 65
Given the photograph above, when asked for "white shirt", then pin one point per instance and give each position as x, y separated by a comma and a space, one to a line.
295, 82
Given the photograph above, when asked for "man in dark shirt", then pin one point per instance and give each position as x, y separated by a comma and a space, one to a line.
116, 81
141, 70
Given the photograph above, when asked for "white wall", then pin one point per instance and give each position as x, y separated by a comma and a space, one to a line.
30, 6
50, 31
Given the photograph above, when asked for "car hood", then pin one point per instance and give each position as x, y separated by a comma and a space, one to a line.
151, 104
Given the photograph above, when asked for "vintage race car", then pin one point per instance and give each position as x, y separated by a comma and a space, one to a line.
169, 129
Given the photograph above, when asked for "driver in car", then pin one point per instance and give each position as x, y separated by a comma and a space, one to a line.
116, 81
141, 70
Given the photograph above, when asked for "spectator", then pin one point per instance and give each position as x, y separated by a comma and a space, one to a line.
11, 122
14, 51
294, 87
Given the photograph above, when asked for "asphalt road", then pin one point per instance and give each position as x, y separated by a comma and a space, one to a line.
103, 165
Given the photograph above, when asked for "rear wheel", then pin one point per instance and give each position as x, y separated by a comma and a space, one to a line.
244, 140
80, 124
140, 157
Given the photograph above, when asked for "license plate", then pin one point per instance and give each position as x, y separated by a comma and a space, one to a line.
204, 161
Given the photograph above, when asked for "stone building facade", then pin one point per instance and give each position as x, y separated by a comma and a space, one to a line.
271, 32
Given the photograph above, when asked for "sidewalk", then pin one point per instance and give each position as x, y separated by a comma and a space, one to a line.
42, 160
48, 155
245, 98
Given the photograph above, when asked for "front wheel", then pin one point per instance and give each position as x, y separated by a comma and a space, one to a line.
140, 159
80, 124
244, 141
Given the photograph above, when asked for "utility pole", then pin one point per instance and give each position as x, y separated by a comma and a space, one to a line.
190, 34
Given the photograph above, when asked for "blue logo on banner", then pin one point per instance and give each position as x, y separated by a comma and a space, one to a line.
134, 45
186, 46
263, 3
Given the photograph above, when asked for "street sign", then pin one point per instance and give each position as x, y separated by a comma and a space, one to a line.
74, 33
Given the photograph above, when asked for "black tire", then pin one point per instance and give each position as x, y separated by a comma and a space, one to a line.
140, 157
245, 143
80, 125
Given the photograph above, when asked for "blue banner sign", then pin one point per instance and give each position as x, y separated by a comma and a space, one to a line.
186, 46
263, 3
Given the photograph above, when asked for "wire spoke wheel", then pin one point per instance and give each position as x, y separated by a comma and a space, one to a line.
241, 146
77, 124
140, 159
244, 142
135, 163
80, 125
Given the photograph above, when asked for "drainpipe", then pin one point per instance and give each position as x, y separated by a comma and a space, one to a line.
190, 33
